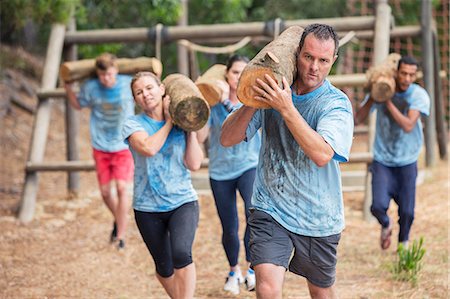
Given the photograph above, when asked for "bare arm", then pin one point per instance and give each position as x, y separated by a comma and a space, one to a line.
150, 145
363, 111
312, 144
406, 122
234, 127
71, 96
202, 134
194, 153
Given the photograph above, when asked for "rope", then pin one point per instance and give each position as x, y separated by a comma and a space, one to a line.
158, 30
348, 37
216, 50
276, 28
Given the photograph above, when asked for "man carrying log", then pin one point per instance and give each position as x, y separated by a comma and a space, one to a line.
110, 100
397, 145
297, 195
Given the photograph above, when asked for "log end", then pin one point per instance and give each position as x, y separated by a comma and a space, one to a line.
245, 92
211, 93
191, 114
383, 89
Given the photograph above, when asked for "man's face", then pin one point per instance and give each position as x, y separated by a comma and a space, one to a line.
107, 77
314, 63
406, 75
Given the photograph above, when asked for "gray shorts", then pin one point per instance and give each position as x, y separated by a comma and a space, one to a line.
314, 257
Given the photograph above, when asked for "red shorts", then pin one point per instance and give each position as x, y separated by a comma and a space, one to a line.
113, 166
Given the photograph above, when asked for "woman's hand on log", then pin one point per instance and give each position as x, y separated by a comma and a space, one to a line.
271, 94
166, 104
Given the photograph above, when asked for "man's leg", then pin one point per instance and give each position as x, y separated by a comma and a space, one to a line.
321, 293
269, 281
122, 208
406, 200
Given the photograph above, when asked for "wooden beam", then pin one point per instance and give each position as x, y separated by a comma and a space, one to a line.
72, 165
174, 33
362, 157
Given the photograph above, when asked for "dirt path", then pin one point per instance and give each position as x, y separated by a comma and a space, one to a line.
64, 252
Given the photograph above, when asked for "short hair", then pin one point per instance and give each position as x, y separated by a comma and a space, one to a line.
236, 58
105, 61
407, 60
322, 32
139, 75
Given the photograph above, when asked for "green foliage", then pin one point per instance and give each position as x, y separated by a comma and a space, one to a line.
409, 262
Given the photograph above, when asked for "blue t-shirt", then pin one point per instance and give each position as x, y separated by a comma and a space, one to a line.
162, 182
393, 146
302, 197
227, 163
109, 109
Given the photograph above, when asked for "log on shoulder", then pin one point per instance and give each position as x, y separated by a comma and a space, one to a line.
277, 59
381, 78
85, 68
207, 83
188, 109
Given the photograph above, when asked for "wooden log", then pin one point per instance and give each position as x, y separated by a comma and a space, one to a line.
188, 109
277, 59
207, 83
381, 78
81, 69
72, 165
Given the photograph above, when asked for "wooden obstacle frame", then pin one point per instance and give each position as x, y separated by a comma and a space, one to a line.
63, 40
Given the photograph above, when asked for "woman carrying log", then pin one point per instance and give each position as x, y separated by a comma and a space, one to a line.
165, 202
232, 169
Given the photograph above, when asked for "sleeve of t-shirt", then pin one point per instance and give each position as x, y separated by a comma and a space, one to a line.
130, 126
420, 101
254, 125
336, 127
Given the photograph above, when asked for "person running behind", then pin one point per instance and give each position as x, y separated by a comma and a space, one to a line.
110, 100
232, 169
397, 145
165, 203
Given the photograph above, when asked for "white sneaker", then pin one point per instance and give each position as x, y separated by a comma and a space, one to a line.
250, 281
232, 282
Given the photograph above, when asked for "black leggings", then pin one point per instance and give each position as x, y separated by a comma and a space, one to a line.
225, 197
169, 236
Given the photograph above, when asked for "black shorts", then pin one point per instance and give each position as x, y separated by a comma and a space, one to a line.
169, 236
314, 257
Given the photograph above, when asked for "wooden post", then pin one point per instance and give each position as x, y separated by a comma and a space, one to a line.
380, 52
428, 74
182, 51
72, 123
441, 129
188, 109
42, 120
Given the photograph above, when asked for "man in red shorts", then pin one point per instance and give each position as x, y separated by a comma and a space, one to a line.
110, 100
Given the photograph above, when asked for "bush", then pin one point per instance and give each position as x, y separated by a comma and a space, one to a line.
409, 261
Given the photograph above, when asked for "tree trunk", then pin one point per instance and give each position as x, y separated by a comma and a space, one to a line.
207, 83
277, 59
188, 109
81, 69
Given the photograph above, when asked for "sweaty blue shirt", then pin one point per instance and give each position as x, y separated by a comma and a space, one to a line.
162, 183
393, 146
302, 197
109, 109
227, 163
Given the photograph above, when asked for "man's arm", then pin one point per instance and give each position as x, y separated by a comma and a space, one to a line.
363, 111
71, 96
311, 142
406, 122
234, 127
